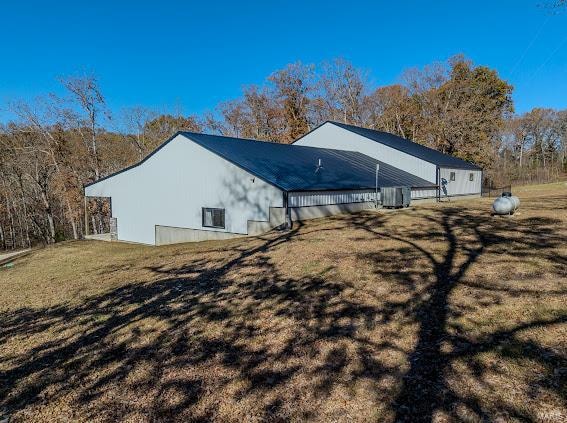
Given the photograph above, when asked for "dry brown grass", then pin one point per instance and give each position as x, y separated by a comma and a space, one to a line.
437, 313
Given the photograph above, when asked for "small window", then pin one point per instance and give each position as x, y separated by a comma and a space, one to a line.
452, 176
471, 177
213, 218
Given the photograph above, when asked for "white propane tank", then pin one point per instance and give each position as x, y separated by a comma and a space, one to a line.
506, 204
516, 201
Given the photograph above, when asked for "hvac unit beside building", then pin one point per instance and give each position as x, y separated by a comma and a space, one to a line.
395, 196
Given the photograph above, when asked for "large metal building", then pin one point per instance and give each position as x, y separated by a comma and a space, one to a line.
453, 177
197, 187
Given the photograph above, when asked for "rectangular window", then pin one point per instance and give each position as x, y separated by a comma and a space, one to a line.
213, 218
452, 176
471, 177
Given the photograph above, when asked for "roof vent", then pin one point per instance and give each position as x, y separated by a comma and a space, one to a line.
319, 166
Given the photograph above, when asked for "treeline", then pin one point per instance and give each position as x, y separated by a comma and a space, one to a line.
58, 144
532, 148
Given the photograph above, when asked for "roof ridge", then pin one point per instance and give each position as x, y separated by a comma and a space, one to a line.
271, 143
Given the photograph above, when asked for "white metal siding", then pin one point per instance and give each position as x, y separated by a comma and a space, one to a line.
461, 185
324, 198
333, 136
172, 186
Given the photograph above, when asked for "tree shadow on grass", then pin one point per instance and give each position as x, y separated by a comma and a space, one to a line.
240, 330
425, 391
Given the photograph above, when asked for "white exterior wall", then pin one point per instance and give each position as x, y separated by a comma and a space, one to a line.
172, 186
461, 185
333, 136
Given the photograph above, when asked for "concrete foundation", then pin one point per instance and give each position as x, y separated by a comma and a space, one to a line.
313, 212
419, 201
460, 197
277, 218
166, 235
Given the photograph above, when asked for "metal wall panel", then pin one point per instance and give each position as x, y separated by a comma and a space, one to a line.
462, 185
324, 198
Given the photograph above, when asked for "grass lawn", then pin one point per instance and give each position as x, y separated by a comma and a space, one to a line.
439, 312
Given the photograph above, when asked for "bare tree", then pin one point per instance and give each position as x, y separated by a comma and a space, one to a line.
164, 126
135, 124
41, 119
31, 165
293, 86
391, 109
264, 120
561, 128
541, 129
86, 93
343, 90
234, 119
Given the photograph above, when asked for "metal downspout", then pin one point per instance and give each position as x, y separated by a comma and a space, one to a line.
438, 177
288, 222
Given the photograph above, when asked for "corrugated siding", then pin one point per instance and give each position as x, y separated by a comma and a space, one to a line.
462, 185
323, 198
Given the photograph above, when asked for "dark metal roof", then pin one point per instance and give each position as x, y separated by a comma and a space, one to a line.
294, 168
409, 147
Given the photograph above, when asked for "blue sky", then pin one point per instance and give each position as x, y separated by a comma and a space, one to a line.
190, 55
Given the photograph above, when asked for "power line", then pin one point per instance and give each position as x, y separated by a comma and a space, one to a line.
546, 61
529, 46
